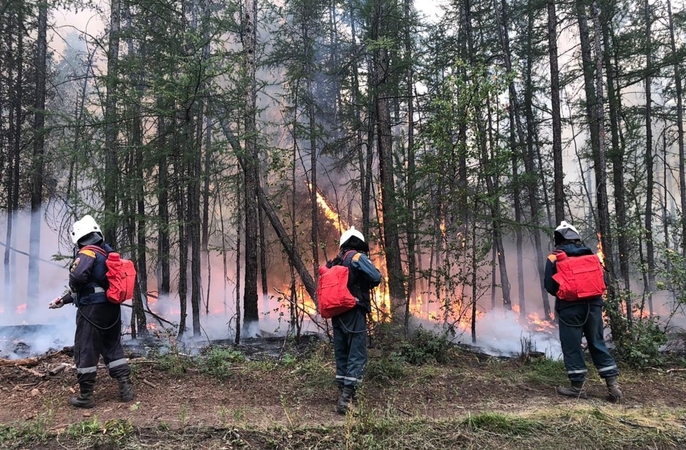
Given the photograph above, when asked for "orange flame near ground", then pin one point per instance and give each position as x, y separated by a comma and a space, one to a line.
21, 308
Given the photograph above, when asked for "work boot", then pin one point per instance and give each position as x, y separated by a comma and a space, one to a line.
577, 389
345, 400
125, 388
614, 394
85, 398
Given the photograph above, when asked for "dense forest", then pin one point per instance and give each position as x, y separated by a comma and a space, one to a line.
253, 132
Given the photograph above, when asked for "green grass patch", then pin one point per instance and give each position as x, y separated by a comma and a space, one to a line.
580, 428
544, 371
502, 424
317, 369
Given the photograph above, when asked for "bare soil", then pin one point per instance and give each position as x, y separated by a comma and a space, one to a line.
298, 395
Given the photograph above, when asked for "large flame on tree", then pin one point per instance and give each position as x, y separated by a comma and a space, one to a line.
328, 211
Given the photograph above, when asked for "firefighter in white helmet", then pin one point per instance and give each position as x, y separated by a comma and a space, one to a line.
573, 274
98, 321
350, 327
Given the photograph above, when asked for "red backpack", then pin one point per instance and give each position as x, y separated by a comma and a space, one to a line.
121, 275
333, 295
579, 277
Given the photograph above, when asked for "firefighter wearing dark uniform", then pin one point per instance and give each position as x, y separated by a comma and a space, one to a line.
578, 319
350, 327
98, 321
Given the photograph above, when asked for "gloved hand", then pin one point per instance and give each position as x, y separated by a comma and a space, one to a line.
57, 303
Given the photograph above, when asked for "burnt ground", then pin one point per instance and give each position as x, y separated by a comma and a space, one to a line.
179, 396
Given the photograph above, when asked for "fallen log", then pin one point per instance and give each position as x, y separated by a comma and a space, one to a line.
28, 362
58, 369
32, 372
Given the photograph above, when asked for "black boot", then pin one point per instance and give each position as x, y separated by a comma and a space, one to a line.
125, 388
577, 389
85, 398
345, 400
613, 391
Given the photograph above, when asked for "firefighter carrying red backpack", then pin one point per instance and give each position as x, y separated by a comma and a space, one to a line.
333, 295
121, 275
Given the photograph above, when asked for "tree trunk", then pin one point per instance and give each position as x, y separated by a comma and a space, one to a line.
650, 248
411, 166
33, 290
250, 167
679, 124
389, 210
111, 129
616, 155
595, 117
558, 172
529, 165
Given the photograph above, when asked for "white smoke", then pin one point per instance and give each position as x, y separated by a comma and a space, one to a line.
501, 332
28, 320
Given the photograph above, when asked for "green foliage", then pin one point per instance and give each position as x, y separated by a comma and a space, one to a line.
87, 427
386, 368
92, 432
424, 347
218, 361
175, 363
30, 431
640, 347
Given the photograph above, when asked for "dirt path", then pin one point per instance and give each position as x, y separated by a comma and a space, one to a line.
296, 393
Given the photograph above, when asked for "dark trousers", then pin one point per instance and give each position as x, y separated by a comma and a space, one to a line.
350, 346
576, 321
98, 332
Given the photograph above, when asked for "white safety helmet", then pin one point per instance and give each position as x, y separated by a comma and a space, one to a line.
348, 234
566, 232
84, 227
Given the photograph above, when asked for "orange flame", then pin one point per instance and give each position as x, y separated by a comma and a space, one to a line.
539, 323
328, 211
21, 308
601, 253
